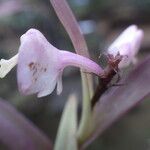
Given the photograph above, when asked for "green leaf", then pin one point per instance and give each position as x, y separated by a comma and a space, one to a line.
66, 136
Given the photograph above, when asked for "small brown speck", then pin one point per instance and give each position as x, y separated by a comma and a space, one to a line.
31, 65
45, 69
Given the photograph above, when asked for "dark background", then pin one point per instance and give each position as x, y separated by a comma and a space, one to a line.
101, 21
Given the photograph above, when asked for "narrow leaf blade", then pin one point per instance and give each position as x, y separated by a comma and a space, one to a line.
66, 136
16, 132
119, 100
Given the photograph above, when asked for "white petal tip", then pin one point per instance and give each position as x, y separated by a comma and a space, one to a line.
41, 94
7, 65
59, 92
45, 92
59, 84
4, 68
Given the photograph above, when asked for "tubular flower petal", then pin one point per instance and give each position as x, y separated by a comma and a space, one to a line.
127, 44
40, 65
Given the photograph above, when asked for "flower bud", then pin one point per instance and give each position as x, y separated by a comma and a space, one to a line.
127, 44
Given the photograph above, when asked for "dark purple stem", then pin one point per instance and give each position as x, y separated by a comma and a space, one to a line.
119, 100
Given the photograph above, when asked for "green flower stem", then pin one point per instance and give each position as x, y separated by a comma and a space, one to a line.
85, 126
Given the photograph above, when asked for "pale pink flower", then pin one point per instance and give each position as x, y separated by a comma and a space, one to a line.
127, 44
40, 65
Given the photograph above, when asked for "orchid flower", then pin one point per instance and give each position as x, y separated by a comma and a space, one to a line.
40, 64
127, 45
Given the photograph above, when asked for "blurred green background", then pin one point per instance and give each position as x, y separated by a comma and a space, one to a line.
100, 21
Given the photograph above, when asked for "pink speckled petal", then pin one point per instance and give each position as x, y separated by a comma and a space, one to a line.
37, 71
40, 65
